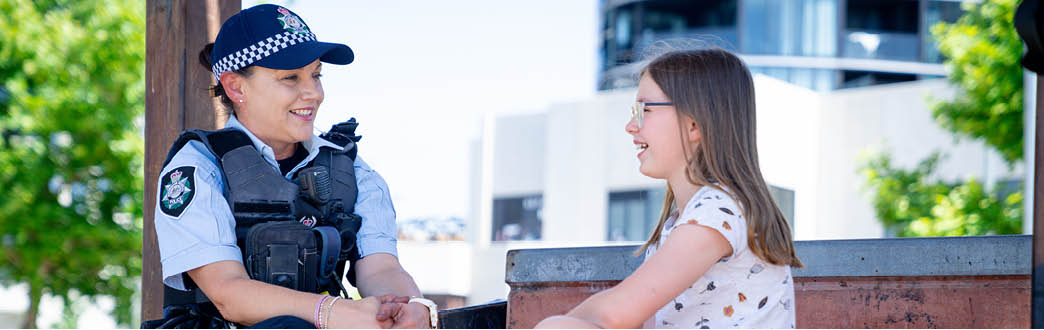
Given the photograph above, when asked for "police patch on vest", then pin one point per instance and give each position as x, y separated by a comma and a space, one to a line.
308, 221
177, 190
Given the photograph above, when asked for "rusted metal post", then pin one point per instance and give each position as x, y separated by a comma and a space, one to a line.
175, 99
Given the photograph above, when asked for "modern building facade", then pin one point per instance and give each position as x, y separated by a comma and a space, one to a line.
818, 44
834, 80
569, 176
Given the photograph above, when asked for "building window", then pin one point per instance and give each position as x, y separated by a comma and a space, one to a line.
629, 29
851, 79
785, 201
1005, 187
934, 13
790, 28
517, 218
633, 214
881, 29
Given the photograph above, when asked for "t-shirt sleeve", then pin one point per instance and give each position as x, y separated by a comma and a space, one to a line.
194, 226
716, 210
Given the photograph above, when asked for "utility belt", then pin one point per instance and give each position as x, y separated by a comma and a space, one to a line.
296, 234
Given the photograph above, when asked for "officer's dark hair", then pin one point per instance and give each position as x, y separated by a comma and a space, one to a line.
218, 90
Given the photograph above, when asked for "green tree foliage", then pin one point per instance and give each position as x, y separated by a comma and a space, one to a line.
71, 167
914, 205
982, 53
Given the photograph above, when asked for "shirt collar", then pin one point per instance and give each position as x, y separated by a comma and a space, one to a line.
312, 145
260, 146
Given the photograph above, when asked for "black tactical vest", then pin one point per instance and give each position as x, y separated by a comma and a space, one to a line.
299, 220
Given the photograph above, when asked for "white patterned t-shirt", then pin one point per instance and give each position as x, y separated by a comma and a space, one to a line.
740, 290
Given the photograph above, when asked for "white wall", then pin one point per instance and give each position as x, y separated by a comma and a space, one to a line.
894, 117
1029, 89
475, 172
487, 277
787, 123
519, 152
620, 155
438, 267
807, 142
577, 187
574, 190
11, 319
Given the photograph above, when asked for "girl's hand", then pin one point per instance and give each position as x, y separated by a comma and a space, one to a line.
400, 314
355, 314
663, 276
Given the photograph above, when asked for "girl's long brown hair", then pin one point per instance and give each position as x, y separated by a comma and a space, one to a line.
715, 89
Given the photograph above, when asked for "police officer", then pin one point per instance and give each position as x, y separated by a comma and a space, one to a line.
268, 66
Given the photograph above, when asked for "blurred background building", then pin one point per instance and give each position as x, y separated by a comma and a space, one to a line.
821, 45
835, 79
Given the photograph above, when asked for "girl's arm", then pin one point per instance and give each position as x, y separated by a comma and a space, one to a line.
246, 301
687, 253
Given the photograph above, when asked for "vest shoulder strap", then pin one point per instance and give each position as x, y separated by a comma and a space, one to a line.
217, 142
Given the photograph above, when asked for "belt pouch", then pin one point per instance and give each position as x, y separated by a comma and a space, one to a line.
282, 253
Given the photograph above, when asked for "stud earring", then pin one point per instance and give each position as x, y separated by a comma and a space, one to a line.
240, 100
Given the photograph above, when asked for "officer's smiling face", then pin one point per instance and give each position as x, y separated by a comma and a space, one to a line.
280, 105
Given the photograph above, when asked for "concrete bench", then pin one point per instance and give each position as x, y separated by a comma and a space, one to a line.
951, 282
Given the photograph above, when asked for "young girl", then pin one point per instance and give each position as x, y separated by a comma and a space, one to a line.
721, 254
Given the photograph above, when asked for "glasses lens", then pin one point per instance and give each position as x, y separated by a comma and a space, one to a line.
636, 112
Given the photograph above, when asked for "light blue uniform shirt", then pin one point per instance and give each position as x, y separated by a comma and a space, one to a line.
204, 232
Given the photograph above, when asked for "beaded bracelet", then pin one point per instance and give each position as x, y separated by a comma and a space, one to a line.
329, 310
318, 309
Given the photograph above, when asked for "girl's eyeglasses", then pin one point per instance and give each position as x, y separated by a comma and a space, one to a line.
638, 110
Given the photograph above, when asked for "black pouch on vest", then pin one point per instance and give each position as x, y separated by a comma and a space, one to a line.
283, 253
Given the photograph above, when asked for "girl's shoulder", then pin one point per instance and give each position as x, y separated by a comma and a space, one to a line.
711, 203
716, 209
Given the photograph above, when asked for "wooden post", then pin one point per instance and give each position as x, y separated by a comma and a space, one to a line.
176, 98
1038, 210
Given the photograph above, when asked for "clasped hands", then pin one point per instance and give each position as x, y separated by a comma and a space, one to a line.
396, 312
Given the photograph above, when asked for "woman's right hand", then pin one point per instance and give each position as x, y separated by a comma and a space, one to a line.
226, 281
356, 314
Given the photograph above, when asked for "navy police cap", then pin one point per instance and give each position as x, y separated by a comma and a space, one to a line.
273, 37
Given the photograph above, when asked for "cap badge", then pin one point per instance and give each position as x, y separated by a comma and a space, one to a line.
291, 22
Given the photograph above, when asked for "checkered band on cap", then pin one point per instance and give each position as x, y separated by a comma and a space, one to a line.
258, 51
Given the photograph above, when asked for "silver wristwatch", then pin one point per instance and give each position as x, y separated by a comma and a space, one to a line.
433, 310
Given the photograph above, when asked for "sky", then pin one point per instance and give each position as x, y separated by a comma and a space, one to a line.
426, 72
